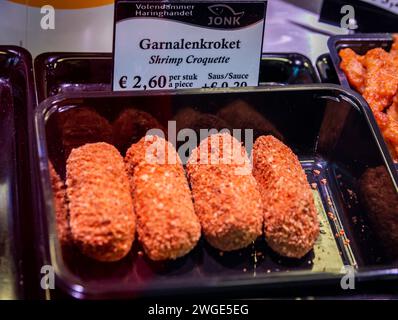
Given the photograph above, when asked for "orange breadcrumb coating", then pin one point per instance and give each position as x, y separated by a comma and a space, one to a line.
225, 193
167, 226
102, 219
290, 217
60, 206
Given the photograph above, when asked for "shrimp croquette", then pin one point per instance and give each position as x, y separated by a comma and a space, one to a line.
380, 198
225, 193
60, 206
167, 226
291, 225
102, 219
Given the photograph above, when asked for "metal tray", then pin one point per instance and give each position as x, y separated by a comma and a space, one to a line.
65, 72
331, 130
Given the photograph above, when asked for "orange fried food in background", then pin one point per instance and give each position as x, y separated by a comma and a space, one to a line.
375, 76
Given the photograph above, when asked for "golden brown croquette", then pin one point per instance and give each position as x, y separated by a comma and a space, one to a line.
225, 193
167, 226
290, 219
102, 219
60, 206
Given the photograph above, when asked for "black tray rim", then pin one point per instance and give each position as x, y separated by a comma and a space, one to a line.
27, 61
319, 61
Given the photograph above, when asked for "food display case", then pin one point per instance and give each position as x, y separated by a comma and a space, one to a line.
305, 205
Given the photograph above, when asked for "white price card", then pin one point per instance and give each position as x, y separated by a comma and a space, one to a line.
187, 44
389, 5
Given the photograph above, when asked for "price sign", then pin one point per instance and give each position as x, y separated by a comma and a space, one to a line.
187, 44
389, 5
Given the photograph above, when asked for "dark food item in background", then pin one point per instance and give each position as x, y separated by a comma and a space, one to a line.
380, 197
167, 226
240, 115
375, 76
189, 118
225, 193
102, 218
290, 218
131, 125
81, 126
61, 207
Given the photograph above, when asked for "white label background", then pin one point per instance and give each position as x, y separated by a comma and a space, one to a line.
131, 60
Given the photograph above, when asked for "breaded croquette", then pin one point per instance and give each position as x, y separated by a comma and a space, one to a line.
290, 219
167, 226
60, 206
225, 193
102, 219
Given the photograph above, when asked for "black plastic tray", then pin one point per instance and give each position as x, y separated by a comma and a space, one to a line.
65, 72
10, 273
330, 129
326, 70
17, 100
